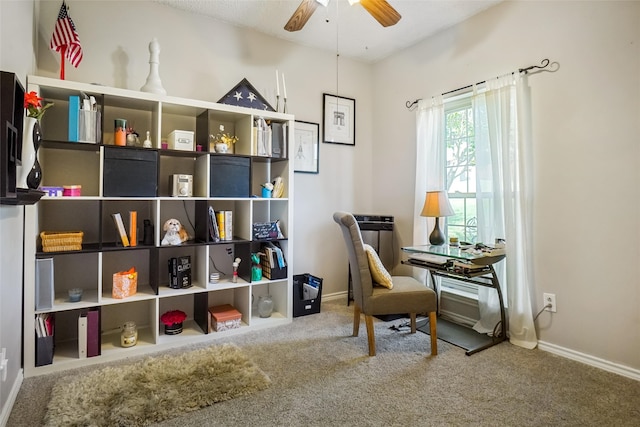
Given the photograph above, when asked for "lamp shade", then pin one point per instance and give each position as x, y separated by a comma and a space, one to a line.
436, 204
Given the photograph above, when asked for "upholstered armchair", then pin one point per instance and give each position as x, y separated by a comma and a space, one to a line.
382, 294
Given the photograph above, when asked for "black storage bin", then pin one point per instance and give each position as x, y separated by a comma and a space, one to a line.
230, 176
130, 172
303, 302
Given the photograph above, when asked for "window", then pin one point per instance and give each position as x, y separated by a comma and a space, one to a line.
461, 169
461, 179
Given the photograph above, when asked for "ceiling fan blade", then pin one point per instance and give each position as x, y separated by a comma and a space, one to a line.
381, 11
301, 15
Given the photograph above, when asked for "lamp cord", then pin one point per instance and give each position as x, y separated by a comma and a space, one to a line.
337, 49
540, 312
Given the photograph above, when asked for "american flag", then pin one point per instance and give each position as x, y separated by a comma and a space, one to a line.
66, 37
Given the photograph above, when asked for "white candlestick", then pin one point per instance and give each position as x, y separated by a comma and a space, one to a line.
284, 87
277, 84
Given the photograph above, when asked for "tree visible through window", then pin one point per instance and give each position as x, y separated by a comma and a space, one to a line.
461, 170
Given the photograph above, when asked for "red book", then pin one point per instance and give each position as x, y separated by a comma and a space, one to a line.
93, 333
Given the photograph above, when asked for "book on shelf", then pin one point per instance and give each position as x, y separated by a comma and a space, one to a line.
278, 140
93, 333
213, 225
180, 272
44, 325
74, 117
117, 219
133, 228
228, 225
220, 222
82, 336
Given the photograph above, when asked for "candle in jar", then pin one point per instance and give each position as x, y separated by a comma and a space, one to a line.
120, 132
129, 335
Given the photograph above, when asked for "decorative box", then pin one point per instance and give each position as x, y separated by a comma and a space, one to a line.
125, 283
224, 317
181, 140
72, 190
52, 191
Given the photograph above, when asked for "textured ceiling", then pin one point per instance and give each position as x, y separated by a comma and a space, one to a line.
348, 29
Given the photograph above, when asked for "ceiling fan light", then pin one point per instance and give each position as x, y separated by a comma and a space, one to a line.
323, 2
352, 2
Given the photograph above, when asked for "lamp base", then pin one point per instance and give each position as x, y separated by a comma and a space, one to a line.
436, 237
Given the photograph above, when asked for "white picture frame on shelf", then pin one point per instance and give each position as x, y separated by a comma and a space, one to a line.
306, 147
339, 119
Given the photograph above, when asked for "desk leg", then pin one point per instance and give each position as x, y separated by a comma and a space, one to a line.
502, 335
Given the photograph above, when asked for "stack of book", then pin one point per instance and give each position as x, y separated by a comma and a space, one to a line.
220, 225
274, 266
132, 238
89, 334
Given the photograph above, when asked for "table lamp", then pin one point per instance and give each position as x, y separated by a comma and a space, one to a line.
436, 204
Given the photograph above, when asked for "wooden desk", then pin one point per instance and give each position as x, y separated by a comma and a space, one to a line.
463, 265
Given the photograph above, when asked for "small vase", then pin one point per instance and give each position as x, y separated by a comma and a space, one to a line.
173, 329
34, 178
265, 306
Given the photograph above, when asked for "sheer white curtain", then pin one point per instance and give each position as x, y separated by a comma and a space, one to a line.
504, 179
430, 163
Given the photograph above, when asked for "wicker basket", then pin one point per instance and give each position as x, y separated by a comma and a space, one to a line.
58, 241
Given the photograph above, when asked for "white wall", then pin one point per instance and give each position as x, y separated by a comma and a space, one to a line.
16, 56
586, 122
585, 155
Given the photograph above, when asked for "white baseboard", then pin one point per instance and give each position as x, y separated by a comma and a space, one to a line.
6, 409
335, 296
606, 365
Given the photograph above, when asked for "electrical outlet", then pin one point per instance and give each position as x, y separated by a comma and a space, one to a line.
549, 299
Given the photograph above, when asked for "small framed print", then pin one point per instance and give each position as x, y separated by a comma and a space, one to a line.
306, 149
339, 116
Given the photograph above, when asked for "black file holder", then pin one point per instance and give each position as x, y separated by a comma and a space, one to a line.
302, 306
44, 350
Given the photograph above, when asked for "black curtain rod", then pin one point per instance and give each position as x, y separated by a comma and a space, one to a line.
543, 64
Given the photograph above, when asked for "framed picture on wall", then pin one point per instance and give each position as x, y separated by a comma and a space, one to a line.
306, 147
339, 116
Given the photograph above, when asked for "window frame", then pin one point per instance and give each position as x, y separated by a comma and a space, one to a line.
453, 104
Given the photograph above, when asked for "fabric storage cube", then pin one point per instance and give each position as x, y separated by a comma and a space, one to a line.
230, 176
130, 172
224, 317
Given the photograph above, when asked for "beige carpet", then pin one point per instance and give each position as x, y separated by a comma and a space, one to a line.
154, 389
321, 376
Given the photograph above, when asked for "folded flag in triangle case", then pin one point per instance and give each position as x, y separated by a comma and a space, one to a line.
245, 95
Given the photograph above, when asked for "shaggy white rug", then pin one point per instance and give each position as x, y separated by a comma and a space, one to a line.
154, 389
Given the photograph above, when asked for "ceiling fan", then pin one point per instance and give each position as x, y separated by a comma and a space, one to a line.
379, 9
